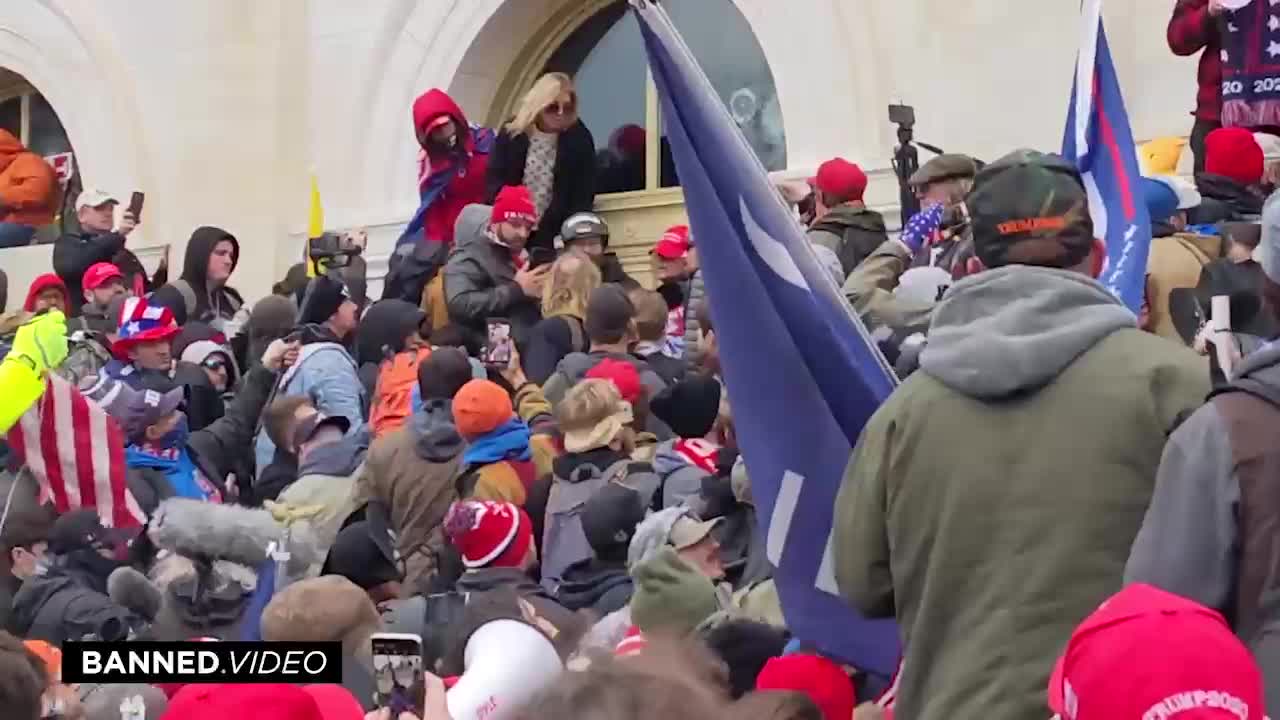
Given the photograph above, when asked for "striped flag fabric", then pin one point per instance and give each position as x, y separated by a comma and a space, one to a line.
1099, 141
76, 452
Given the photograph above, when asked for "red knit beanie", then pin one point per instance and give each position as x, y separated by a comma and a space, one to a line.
1234, 153
489, 534
515, 204
817, 677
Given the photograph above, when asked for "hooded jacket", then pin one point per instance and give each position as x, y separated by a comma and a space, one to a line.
28, 186
575, 366
326, 373
573, 187
467, 164
992, 499
596, 585
1210, 533
220, 303
411, 471
382, 331
852, 231
326, 482
479, 280
39, 285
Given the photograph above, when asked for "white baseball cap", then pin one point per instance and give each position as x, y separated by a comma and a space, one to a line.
92, 197
1188, 195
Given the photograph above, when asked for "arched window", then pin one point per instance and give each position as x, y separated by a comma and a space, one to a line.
26, 114
618, 102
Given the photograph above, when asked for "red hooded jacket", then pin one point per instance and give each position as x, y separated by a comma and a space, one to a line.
467, 186
1191, 31
42, 283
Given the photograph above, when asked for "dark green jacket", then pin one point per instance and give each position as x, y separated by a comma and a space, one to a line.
852, 231
992, 500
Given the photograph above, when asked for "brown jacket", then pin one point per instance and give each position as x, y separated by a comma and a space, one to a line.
1175, 262
28, 187
412, 471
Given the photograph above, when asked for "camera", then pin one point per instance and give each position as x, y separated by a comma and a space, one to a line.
903, 115
333, 250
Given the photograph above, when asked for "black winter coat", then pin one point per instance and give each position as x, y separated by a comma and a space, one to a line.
61, 606
222, 303
574, 188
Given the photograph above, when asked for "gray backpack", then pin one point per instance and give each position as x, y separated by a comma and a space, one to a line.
563, 541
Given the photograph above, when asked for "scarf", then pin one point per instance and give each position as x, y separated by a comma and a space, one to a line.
178, 468
509, 441
1250, 72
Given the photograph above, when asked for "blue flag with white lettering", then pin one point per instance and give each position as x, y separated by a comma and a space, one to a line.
802, 373
1100, 143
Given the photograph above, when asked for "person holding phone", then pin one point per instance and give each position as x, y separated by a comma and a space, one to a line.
99, 240
489, 273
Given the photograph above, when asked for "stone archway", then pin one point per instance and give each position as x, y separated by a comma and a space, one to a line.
73, 67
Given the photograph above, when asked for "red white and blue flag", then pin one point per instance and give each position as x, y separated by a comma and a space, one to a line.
1100, 143
75, 450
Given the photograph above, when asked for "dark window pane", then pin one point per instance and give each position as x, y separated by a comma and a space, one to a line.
605, 56
47, 135
11, 116
727, 50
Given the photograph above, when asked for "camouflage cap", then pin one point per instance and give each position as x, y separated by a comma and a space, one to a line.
1031, 208
944, 167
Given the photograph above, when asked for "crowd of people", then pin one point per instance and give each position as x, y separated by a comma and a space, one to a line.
528, 460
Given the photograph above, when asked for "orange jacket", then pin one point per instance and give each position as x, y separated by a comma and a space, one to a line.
28, 189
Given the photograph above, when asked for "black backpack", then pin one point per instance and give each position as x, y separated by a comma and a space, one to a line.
411, 267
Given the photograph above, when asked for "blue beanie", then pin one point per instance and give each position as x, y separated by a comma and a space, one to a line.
1161, 200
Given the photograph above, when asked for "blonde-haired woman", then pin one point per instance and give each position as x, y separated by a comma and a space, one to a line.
547, 149
564, 306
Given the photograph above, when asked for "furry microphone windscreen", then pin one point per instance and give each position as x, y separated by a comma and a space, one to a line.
228, 532
133, 591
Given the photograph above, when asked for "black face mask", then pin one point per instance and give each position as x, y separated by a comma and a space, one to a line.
89, 562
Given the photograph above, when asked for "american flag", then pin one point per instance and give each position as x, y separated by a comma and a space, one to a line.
76, 452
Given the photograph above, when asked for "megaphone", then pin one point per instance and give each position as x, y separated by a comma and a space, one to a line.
507, 663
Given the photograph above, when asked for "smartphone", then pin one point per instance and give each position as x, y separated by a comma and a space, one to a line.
135, 206
903, 115
498, 347
540, 256
397, 670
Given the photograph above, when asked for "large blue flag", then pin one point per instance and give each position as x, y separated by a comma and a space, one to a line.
1100, 143
803, 374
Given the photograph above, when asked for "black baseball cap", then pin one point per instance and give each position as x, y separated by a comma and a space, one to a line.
365, 551
610, 517
81, 529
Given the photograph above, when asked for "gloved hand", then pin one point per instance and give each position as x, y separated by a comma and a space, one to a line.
41, 343
921, 227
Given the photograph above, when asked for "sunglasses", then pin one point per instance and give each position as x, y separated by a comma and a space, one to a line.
215, 364
559, 108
